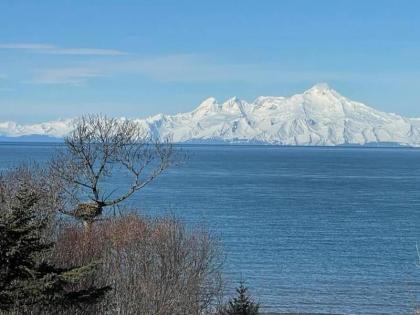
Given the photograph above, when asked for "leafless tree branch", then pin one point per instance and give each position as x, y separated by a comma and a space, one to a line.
100, 146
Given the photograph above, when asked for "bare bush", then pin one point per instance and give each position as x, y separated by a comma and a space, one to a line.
154, 266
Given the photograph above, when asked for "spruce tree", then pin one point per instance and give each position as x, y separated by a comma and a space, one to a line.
242, 304
27, 279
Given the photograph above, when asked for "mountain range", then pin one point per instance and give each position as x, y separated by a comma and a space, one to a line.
319, 116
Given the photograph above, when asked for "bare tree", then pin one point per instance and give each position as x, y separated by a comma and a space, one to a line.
95, 150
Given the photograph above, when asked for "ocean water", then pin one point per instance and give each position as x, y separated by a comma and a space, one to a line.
331, 230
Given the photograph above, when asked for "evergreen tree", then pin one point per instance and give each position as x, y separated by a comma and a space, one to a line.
242, 304
27, 279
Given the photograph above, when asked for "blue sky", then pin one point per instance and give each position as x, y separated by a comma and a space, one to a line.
138, 58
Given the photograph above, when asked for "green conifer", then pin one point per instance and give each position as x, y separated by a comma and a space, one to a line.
27, 279
242, 304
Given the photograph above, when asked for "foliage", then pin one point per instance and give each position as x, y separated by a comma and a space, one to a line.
27, 281
242, 304
49, 264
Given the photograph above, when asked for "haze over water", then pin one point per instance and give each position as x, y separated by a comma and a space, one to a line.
309, 229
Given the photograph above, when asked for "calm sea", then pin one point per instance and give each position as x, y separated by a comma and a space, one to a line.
309, 229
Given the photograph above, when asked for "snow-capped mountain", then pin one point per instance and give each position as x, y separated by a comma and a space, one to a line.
56, 129
319, 116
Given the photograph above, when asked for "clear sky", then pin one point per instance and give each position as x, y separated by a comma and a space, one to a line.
60, 59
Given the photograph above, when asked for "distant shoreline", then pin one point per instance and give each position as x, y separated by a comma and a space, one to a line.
59, 142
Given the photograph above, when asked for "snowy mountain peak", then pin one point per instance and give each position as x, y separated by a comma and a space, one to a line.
233, 105
322, 89
208, 103
318, 116
233, 99
207, 106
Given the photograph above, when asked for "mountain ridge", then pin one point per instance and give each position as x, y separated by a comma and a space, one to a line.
320, 116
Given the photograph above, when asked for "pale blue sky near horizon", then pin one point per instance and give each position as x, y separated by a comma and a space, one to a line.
60, 59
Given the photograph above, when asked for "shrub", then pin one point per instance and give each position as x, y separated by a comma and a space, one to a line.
155, 266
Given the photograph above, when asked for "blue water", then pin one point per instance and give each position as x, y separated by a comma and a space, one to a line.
309, 229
